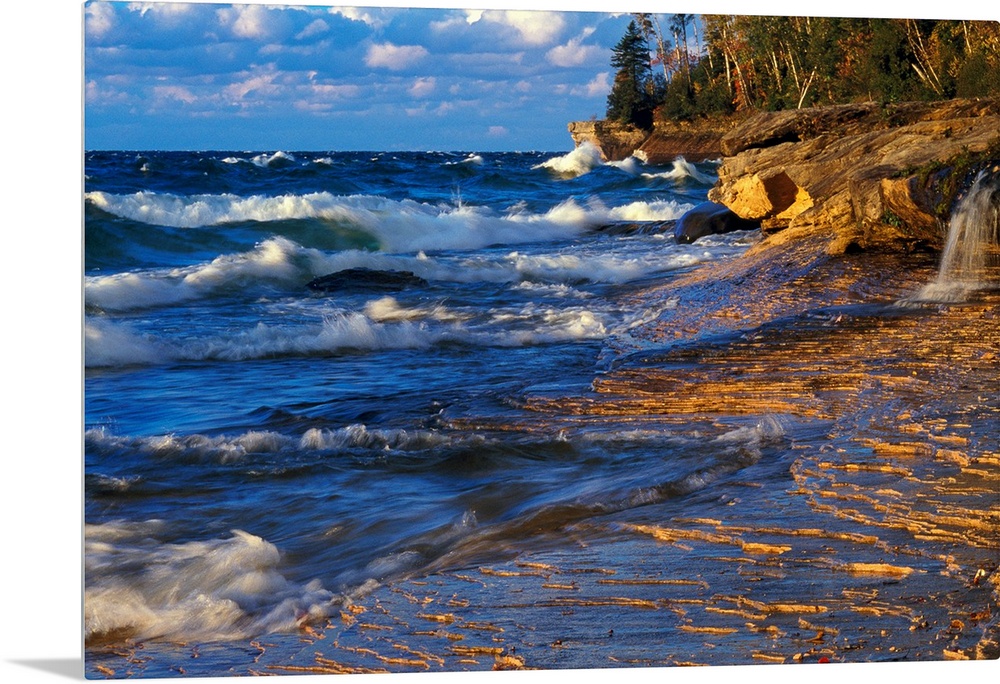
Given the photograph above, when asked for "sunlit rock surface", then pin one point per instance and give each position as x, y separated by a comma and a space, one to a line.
872, 176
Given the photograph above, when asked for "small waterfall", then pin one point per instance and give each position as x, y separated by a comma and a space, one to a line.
971, 257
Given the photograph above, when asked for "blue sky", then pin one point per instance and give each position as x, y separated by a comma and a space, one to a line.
204, 75
213, 76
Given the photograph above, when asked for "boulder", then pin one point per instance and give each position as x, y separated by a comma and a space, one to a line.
710, 218
355, 280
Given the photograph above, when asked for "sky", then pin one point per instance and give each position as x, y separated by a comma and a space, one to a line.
205, 75
215, 76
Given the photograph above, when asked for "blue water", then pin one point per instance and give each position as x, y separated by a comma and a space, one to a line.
256, 449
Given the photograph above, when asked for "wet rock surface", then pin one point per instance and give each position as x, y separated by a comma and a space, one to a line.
865, 531
709, 218
873, 176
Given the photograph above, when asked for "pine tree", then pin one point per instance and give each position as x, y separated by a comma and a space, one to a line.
631, 99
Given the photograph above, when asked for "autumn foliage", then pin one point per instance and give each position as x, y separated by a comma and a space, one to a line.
720, 64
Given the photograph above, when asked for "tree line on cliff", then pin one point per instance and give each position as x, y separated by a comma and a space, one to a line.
689, 66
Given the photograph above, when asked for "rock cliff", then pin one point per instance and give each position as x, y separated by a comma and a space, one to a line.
861, 176
667, 141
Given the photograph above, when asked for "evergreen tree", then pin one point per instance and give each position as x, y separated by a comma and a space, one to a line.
632, 96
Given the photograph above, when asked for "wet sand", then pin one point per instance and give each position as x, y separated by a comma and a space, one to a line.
869, 531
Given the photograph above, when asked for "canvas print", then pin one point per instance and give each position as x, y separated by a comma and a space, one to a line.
438, 340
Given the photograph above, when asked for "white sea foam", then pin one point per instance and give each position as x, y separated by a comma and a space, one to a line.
108, 343
282, 264
400, 226
662, 210
680, 169
235, 448
632, 164
473, 159
384, 325
279, 158
579, 161
275, 262
218, 589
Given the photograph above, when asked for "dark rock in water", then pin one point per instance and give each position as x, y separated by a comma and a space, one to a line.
709, 218
365, 280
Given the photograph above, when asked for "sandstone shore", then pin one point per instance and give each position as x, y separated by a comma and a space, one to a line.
878, 538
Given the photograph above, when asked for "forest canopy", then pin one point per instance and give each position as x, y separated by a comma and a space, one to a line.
687, 66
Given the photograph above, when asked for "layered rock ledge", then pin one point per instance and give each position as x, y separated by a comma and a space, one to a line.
667, 141
863, 175
860, 176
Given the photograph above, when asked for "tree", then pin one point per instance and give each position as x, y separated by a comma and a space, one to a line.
631, 99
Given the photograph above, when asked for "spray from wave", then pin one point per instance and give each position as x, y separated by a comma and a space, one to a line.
576, 163
140, 587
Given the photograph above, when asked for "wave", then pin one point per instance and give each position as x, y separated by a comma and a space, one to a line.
587, 157
581, 160
397, 225
140, 587
383, 325
233, 449
682, 169
278, 262
286, 266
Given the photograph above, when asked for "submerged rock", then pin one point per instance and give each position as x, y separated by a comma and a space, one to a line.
365, 280
710, 218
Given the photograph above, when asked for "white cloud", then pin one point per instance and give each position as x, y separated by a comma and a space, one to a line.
599, 85
394, 57
457, 20
164, 9
365, 15
261, 84
105, 93
536, 28
574, 53
245, 21
423, 87
334, 92
497, 131
99, 19
178, 93
314, 29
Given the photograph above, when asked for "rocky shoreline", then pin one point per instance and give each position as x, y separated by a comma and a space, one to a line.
878, 538
857, 176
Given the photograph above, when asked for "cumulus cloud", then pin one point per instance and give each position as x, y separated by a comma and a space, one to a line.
394, 57
163, 9
375, 18
99, 19
497, 131
535, 28
599, 85
574, 53
423, 87
178, 93
246, 21
262, 84
334, 91
316, 28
